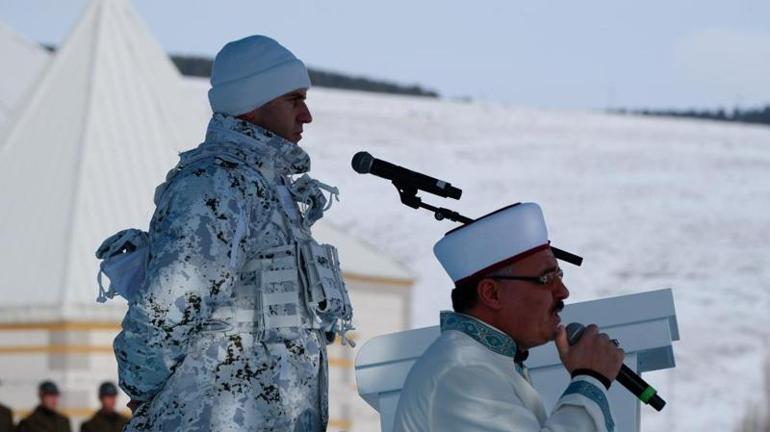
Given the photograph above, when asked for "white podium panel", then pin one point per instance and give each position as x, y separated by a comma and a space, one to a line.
645, 324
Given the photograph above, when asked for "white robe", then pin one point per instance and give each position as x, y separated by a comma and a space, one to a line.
461, 385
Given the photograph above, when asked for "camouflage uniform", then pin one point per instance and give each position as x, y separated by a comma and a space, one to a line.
6, 419
229, 331
43, 419
104, 422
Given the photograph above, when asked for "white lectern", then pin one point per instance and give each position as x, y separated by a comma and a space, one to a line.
645, 324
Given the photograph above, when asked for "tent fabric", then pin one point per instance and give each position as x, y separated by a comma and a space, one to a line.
29, 61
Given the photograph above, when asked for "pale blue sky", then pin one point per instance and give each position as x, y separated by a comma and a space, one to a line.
589, 54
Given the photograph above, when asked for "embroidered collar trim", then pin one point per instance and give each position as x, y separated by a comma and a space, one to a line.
492, 338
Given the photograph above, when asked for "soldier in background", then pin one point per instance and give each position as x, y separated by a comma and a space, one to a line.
106, 419
45, 418
6, 419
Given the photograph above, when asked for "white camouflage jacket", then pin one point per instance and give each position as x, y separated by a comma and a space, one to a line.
229, 329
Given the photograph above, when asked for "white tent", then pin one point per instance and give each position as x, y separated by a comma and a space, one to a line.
81, 159
84, 154
23, 62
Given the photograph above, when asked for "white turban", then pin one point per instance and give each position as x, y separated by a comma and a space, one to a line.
492, 241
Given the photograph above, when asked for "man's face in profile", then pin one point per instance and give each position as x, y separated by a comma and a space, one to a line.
529, 310
284, 115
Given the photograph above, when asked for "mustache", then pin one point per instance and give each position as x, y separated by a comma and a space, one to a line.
558, 307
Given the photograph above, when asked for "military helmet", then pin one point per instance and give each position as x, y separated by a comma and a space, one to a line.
48, 388
107, 388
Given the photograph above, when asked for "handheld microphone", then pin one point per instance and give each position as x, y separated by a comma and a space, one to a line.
364, 163
627, 377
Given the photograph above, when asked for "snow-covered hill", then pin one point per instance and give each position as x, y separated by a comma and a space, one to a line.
650, 203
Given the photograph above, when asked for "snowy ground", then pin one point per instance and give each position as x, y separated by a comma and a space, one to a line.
650, 203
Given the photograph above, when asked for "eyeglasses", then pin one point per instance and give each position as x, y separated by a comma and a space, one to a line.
545, 279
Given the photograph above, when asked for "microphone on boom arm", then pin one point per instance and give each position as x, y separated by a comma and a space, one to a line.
364, 163
408, 182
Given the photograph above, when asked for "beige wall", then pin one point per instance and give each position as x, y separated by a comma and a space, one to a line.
380, 307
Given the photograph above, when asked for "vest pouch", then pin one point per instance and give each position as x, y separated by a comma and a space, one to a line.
124, 260
279, 296
326, 292
268, 296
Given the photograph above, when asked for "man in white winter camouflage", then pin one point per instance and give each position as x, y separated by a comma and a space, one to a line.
229, 331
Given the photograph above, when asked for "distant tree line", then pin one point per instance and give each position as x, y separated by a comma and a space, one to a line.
201, 67
753, 115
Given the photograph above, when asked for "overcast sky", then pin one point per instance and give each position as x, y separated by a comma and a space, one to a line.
566, 54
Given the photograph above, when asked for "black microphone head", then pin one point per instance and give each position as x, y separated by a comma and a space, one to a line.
362, 162
574, 332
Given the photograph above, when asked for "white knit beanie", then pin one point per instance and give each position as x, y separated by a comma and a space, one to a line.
250, 72
492, 241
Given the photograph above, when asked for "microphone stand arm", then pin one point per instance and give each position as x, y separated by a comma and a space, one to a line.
408, 194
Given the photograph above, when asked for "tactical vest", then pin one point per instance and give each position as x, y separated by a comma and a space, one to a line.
287, 289
281, 292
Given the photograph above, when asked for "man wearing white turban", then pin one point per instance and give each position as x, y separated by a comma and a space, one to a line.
507, 298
